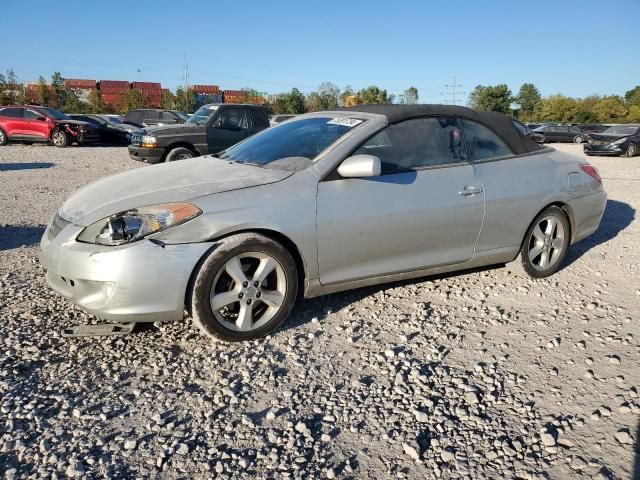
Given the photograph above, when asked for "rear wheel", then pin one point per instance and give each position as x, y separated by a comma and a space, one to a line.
244, 289
3, 138
179, 153
631, 150
578, 139
546, 243
60, 139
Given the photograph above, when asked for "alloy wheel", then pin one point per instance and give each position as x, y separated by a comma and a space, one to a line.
58, 139
546, 243
577, 139
631, 150
248, 291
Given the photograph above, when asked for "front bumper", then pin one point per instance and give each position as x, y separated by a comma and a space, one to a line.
606, 149
145, 154
141, 282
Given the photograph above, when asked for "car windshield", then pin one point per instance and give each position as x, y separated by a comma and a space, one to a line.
114, 120
300, 142
202, 114
622, 130
53, 113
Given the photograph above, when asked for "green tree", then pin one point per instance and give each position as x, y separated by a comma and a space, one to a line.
11, 90
346, 93
632, 97
528, 97
59, 90
610, 109
374, 95
585, 113
96, 105
168, 100
73, 104
329, 94
185, 101
42, 90
557, 108
131, 100
634, 114
493, 98
292, 102
314, 103
409, 96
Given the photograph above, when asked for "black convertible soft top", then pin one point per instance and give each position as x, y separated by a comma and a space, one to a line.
497, 122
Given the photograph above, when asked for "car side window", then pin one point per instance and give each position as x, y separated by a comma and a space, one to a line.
420, 142
482, 143
260, 118
232, 119
30, 114
521, 128
168, 117
11, 112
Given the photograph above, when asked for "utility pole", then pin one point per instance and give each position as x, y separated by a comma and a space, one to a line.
452, 92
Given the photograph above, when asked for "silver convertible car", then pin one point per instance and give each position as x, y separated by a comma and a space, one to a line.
323, 202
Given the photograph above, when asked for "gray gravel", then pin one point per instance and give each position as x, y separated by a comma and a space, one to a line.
485, 374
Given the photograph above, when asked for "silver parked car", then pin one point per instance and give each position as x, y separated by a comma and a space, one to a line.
325, 202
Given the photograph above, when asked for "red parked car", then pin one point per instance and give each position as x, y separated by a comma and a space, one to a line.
30, 123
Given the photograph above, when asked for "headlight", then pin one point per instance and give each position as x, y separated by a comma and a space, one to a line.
137, 223
619, 141
148, 141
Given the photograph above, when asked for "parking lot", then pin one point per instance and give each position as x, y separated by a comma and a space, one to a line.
486, 373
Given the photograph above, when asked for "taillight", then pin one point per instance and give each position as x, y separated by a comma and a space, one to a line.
591, 171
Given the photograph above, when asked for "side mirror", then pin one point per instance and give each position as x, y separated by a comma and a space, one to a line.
360, 166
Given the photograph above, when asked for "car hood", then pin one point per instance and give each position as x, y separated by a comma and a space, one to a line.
178, 129
79, 123
607, 137
164, 183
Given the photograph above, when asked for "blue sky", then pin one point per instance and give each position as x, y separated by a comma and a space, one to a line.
572, 47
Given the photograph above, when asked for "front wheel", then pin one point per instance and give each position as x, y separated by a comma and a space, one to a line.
3, 138
631, 150
60, 139
180, 153
244, 289
546, 242
578, 139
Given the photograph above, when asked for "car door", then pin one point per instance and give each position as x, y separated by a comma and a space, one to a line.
511, 188
563, 133
35, 124
424, 210
12, 121
228, 127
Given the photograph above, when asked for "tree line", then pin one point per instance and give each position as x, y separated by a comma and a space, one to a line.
528, 105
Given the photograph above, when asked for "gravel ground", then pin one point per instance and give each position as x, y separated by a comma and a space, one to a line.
484, 374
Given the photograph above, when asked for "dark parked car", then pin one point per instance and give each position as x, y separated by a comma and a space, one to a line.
561, 133
593, 128
111, 131
536, 137
616, 140
31, 123
149, 117
211, 129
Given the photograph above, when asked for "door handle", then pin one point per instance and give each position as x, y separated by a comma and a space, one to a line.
470, 190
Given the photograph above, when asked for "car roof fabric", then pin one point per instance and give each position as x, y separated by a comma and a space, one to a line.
497, 122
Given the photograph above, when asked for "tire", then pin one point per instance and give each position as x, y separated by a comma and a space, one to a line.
3, 138
546, 243
632, 150
247, 315
59, 139
578, 139
179, 153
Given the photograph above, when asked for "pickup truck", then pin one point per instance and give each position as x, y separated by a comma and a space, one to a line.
211, 129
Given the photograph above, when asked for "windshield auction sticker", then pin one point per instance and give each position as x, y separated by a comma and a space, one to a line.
345, 122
